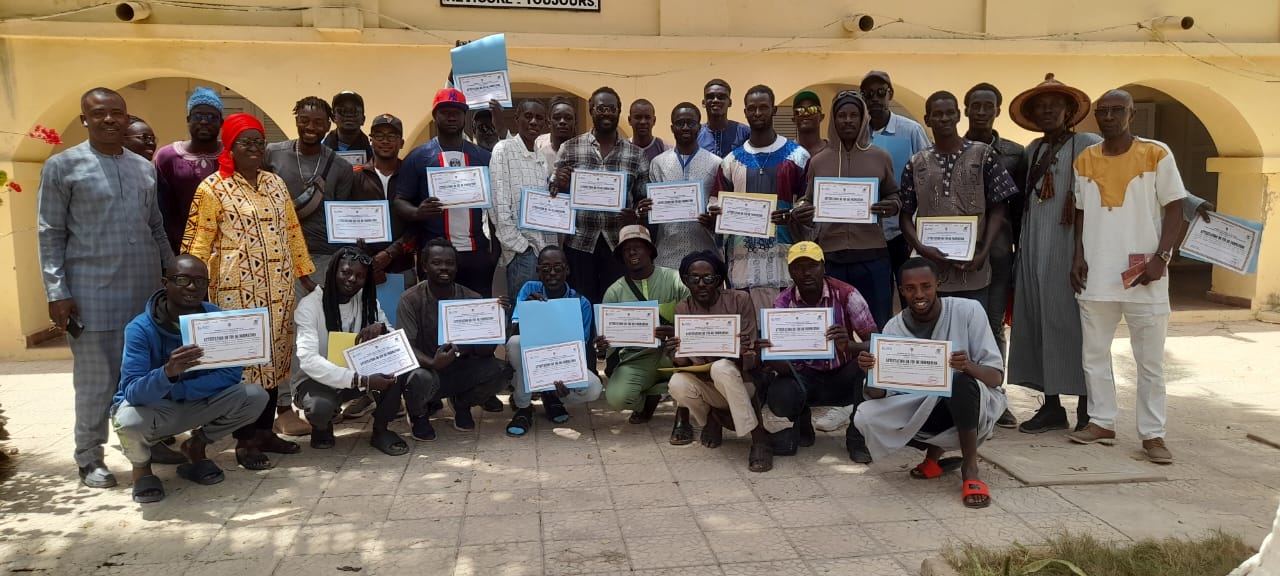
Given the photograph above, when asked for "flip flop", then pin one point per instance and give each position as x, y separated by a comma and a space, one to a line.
555, 410
148, 483
389, 442
520, 423
975, 488
163, 454
252, 459
204, 472
761, 458
712, 435
681, 434
930, 468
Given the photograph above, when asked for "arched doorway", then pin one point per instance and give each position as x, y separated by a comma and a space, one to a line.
784, 120
520, 91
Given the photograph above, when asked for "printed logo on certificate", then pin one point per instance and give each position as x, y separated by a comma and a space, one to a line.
911, 365
388, 354
353, 157
466, 187
349, 222
1225, 241
541, 211
845, 200
545, 365
229, 338
954, 236
628, 325
708, 335
675, 201
797, 333
598, 190
480, 321
482, 87
746, 214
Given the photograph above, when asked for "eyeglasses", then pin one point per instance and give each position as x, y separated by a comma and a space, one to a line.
684, 124
145, 139
705, 279
807, 110
185, 281
605, 109
252, 144
384, 137
348, 111
357, 257
552, 268
715, 96
204, 117
877, 93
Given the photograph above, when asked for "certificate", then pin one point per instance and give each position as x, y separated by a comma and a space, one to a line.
482, 87
466, 187
708, 335
541, 211
746, 214
347, 222
353, 157
545, 365
954, 236
1224, 241
845, 200
628, 326
388, 354
911, 365
796, 333
229, 338
675, 201
472, 322
598, 190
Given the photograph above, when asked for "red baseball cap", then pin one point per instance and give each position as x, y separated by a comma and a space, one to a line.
449, 97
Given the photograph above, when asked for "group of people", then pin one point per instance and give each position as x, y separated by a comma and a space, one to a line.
1059, 222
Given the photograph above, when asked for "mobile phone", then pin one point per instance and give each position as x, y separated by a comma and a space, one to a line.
74, 326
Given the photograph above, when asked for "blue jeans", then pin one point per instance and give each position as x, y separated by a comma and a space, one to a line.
874, 281
521, 269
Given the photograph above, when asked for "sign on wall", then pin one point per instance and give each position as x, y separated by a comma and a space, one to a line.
584, 5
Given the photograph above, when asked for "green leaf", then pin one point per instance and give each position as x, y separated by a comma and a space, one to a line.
1034, 567
4, 178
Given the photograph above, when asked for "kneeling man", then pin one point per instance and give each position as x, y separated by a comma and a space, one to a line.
159, 394
932, 423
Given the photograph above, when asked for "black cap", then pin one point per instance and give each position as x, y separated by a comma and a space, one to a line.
877, 74
387, 120
347, 95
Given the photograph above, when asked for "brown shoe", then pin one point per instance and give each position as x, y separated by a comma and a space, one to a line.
288, 423
1156, 451
1093, 434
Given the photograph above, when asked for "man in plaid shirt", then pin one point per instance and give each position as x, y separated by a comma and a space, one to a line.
590, 250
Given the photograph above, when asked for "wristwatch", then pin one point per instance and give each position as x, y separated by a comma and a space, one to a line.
1167, 255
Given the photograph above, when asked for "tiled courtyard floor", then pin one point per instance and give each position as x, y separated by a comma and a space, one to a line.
600, 496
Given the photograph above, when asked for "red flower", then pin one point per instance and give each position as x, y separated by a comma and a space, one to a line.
15, 187
47, 135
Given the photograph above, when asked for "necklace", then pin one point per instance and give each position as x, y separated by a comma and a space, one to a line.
759, 160
298, 156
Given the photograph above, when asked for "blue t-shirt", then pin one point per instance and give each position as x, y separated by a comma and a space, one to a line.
902, 137
536, 287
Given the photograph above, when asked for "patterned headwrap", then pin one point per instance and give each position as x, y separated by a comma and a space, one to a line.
206, 96
231, 129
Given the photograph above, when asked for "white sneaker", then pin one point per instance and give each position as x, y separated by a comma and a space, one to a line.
835, 419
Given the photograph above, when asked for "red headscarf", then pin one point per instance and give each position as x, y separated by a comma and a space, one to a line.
232, 126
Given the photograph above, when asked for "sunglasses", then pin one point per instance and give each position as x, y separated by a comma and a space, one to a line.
685, 124
357, 257
605, 109
185, 281
807, 110
848, 93
705, 279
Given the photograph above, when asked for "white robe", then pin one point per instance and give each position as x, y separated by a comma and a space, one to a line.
890, 422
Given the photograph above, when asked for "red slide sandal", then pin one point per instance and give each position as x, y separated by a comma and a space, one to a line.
976, 488
930, 468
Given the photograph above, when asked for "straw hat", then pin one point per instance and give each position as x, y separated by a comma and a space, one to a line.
1019, 108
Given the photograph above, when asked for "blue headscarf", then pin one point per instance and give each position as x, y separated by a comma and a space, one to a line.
205, 96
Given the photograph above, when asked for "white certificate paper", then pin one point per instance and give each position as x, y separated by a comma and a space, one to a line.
353, 157
229, 338
598, 190
911, 365
546, 365
627, 326
1224, 241
746, 214
347, 222
797, 333
466, 187
675, 201
387, 354
845, 200
472, 322
708, 335
482, 87
540, 211
954, 236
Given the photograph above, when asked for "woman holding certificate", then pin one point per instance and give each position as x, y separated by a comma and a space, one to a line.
243, 226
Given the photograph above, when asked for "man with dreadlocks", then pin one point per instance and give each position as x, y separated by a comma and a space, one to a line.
346, 302
1045, 352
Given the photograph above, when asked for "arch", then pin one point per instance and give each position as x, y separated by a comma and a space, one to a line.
520, 89
1231, 132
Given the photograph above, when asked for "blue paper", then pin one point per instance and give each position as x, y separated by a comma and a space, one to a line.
555, 321
875, 191
1252, 267
951, 374
488, 54
521, 224
769, 354
389, 296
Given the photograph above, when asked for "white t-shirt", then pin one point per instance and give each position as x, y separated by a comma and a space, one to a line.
1123, 199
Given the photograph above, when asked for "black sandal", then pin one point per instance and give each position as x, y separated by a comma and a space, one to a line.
681, 433
761, 458
278, 445
252, 459
388, 442
322, 439
204, 472
554, 408
520, 423
148, 489
645, 414
712, 435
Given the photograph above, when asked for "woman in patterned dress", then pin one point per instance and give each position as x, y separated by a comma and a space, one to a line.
242, 225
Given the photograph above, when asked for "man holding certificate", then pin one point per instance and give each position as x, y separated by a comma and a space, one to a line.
162, 392
891, 420
517, 164
346, 302
465, 374
797, 385
955, 177
689, 164
719, 398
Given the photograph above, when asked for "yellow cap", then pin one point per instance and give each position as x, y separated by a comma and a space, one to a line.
804, 249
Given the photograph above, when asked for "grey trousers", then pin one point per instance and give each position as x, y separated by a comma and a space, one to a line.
96, 376
284, 395
217, 416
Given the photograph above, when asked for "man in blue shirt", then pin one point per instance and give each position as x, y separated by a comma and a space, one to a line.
161, 396
553, 269
720, 135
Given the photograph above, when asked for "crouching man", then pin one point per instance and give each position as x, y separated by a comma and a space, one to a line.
159, 394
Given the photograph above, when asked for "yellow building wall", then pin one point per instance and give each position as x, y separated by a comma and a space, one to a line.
395, 53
